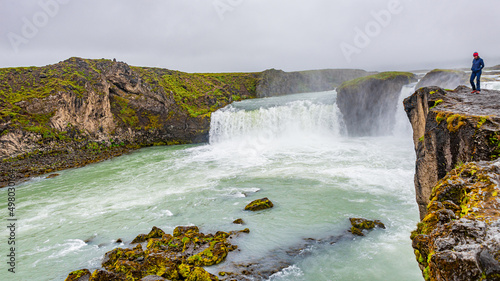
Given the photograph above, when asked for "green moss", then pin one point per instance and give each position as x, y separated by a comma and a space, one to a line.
380, 76
259, 204
75, 275
455, 122
494, 141
192, 91
441, 116
436, 103
421, 139
481, 121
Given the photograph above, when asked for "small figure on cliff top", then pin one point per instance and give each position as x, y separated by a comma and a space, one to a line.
477, 67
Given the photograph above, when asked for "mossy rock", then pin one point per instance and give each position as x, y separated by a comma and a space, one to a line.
200, 274
103, 275
78, 275
238, 221
171, 257
185, 230
154, 233
259, 204
358, 224
153, 278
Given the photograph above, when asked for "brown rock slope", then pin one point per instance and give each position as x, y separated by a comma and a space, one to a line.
81, 111
457, 141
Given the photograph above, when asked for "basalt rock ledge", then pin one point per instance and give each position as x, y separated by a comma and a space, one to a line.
457, 142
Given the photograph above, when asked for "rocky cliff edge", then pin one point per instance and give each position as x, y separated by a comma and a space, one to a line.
457, 141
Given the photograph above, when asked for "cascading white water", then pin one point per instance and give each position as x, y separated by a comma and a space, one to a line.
292, 122
402, 126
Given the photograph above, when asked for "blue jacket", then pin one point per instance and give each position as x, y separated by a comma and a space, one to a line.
477, 65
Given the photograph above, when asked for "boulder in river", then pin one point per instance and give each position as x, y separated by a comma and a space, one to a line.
259, 204
358, 224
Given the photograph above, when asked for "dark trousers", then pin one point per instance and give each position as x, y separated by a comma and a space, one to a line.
476, 74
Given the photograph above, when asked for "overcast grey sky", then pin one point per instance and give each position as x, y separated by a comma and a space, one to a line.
252, 35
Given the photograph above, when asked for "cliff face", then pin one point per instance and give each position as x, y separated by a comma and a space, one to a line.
277, 82
81, 111
450, 127
444, 78
368, 103
458, 237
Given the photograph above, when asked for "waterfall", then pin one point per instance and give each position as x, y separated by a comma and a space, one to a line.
291, 119
402, 127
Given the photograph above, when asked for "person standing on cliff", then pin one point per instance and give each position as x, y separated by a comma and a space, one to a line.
477, 67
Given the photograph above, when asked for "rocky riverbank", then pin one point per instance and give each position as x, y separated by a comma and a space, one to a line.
82, 111
457, 142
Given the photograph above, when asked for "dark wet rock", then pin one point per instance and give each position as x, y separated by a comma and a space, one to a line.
119, 240
186, 230
52, 176
278, 259
154, 233
79, 275
444, 78
259, 204
238, 221
368, 103
103, 275
359, 224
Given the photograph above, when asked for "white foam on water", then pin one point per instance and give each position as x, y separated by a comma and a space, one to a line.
290, 273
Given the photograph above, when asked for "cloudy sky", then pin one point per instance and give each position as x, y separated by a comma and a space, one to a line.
252, 35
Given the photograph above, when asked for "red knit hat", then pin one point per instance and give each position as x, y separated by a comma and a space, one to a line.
475, 54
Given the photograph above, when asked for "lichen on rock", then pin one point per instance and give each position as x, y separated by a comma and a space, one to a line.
456, 183
359, 224
459, 238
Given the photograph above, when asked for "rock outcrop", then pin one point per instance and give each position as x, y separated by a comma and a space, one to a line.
450, 127
368, 103
459, 239
176, 257
444, 78
82, 111
457, 141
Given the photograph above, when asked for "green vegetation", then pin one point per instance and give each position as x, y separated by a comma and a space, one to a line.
446, 70
200, 94
494, 140
380, 76
29, 85
436, 102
